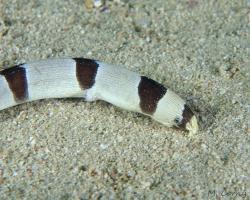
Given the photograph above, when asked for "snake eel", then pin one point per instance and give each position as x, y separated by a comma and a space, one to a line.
94, 80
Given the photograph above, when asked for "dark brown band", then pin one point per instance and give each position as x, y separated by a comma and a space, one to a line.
86, 70
16, 78
150, 92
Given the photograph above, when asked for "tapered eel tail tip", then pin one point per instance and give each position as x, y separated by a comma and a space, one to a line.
189, 121
192, 126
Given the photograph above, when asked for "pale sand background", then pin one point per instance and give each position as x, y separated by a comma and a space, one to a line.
69, 149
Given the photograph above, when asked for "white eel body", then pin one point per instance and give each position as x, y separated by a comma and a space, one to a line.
94, 80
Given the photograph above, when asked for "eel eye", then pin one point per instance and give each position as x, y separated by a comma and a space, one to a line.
177, 120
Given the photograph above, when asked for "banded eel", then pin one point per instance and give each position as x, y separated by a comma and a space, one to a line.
94, 80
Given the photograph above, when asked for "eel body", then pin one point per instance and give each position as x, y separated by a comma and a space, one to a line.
94, 80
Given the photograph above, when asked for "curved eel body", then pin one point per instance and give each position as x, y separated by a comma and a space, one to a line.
94, 80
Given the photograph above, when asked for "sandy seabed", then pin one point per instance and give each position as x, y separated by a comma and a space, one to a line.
70, 149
